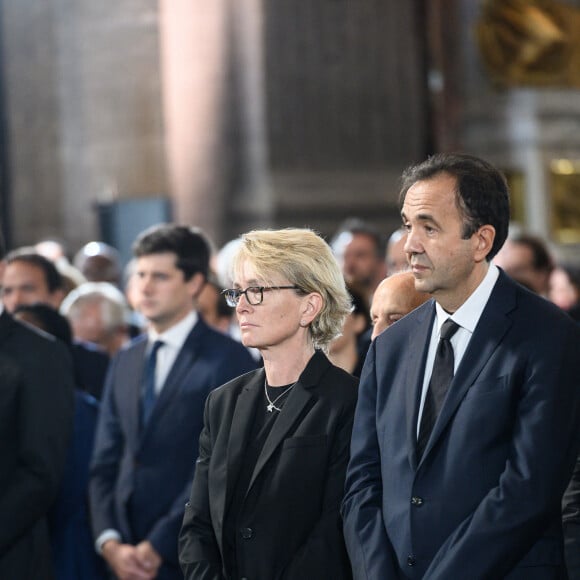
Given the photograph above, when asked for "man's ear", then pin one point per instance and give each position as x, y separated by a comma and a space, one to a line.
484, 238
2, 268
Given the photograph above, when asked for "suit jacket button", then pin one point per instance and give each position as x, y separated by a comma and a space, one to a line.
417, 501
247, 533
411, 560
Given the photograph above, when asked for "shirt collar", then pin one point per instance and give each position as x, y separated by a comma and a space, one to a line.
468, 314
176, 335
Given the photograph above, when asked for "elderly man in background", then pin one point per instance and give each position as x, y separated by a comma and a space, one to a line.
99, 315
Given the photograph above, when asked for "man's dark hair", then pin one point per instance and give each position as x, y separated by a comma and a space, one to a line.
541, 258
2, 246
482, 194
190, 245
52, 277
358, 226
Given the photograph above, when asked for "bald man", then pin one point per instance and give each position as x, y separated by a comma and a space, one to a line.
394, 297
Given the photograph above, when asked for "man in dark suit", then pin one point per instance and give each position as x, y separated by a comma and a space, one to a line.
152, 414
36, 408
462, 446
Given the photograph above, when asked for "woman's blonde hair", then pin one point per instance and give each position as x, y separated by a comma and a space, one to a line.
305, 260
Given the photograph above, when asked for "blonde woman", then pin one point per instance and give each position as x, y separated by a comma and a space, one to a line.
273, 452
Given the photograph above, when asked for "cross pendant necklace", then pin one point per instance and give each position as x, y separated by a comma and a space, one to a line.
271, 406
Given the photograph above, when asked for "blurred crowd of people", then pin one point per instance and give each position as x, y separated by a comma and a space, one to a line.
146, 344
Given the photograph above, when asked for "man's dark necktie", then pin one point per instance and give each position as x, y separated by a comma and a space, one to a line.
438, 385
149, 396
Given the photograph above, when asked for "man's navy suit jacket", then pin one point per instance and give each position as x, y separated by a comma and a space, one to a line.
484, 500
141, 478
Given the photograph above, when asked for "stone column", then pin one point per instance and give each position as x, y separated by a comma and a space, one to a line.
194, 63
251, 203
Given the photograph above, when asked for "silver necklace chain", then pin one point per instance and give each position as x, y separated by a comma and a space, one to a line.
271, 407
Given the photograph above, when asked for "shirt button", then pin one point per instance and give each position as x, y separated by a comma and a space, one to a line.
416, 501
247, 533
411, 560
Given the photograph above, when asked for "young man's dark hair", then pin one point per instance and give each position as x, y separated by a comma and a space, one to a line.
52, 276
2, 247
189, 245
482, 193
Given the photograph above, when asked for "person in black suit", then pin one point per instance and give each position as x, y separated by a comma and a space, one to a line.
73, 553
36, 412
466, 429
273, 452
152, 414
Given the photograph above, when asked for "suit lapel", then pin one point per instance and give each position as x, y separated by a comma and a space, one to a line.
181, 367
133, 385
293, 409
417, 355
290, 413
489, 332
238, 437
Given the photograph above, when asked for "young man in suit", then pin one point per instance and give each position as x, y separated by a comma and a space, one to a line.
36, 411
152, 411
463, 445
